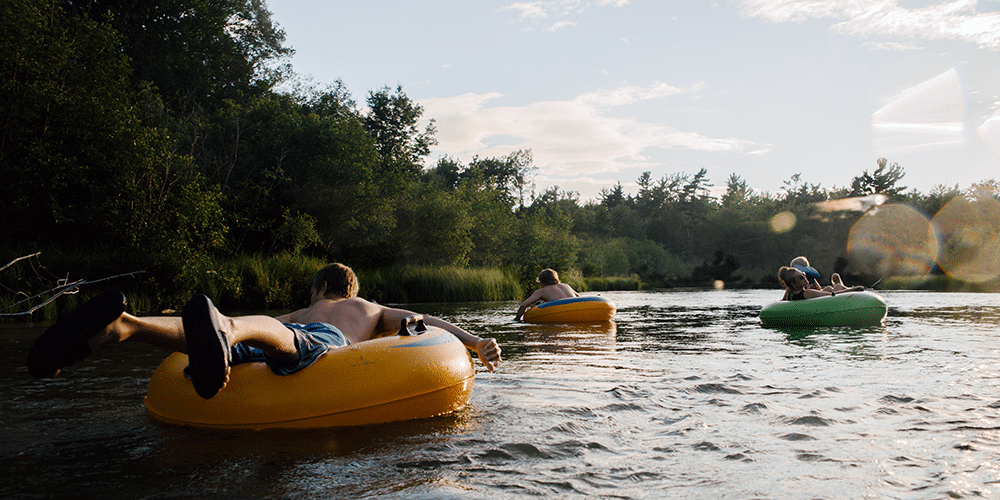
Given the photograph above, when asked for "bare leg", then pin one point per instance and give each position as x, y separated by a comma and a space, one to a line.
263, 332
209, 336
161, 331
201, 332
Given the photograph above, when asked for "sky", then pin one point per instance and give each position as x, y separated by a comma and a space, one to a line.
601, 91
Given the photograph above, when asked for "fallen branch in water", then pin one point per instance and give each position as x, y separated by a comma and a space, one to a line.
11, 263
65, 289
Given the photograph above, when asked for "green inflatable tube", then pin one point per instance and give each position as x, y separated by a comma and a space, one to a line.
845, 309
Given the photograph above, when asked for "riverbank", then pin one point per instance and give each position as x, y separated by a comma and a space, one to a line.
279, 282
251, 283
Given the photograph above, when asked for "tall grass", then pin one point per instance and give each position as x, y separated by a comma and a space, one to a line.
257, 282
254, 282
437, 284
613, 283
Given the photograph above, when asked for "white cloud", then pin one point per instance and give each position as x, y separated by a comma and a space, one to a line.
561, 24
890, 46
955, 20
531, 10
538, 10
577, 136
632, 94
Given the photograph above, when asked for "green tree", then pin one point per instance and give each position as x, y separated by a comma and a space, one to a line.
799, 194
78, 162
435, 228
882, 181
543, 239
506, 175
197, 53
738, 193
612, 197
392, 122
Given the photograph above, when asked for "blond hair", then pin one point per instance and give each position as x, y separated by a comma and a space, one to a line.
339, 279
799, 261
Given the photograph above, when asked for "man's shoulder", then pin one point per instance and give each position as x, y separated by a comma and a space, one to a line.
557, 291
349, 302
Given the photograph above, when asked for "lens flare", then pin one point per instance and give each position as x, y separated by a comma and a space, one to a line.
782, 222
990, 132
894, 241
970, 238
924, 117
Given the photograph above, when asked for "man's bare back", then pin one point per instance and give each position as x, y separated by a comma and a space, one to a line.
556, 292
360, 320
544, 294
357, 318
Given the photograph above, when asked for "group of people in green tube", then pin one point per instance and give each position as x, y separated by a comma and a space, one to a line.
336, 317
801, 282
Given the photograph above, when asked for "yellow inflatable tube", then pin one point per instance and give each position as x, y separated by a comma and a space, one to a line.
419, 373
591, 308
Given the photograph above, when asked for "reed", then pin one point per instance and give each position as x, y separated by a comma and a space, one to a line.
258, 282
437, 284
612, 283
253, 282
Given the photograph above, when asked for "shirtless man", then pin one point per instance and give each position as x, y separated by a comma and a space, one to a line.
213, 342
551, 289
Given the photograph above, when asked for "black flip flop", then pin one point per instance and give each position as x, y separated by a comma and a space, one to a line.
65, 342
207, 347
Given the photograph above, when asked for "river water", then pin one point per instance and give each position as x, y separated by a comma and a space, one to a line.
684, 395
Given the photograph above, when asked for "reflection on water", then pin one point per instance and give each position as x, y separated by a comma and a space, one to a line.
570, 338
683, 395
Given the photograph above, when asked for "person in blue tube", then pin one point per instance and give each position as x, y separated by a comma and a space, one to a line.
336, 317
552, 289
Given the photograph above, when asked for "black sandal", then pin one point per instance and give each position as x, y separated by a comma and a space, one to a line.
207, 347
65, 342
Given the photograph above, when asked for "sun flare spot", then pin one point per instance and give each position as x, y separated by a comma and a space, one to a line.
896, 240
970, 238
782, 222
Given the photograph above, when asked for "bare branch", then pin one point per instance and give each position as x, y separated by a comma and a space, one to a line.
20, 258
57, 292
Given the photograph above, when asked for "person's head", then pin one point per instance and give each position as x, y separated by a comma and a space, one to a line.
548, 277
799, 261
338, 280
792, 278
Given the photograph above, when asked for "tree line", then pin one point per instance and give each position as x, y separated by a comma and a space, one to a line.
160, 135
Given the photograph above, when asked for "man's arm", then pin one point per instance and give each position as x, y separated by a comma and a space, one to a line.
535, 297
290, 317
487, 349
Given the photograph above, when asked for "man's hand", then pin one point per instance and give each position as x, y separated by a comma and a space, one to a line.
489, 353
